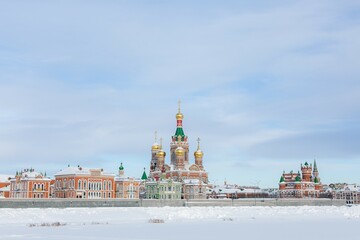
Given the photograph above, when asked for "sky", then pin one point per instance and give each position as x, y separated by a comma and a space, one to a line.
265, 86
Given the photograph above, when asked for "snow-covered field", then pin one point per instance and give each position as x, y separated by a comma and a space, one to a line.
182, 223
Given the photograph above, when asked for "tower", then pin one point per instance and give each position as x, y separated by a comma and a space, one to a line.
306, 171
121, 171
154, 149
315, 171
179, 146
160, 157
198, 154
317, 183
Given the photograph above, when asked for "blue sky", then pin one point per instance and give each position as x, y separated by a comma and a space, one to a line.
265, 86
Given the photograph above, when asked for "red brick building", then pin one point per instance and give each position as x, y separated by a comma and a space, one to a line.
79, 182
299, 185
30, 184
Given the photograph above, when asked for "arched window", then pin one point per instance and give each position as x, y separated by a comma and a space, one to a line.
85, 185
79, 184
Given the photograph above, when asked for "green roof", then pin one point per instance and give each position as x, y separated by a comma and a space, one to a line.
144, 176
298, 178
282, 179
179, 132
316, 180
306, 164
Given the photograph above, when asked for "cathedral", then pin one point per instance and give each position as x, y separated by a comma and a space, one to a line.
180, 168
299, 185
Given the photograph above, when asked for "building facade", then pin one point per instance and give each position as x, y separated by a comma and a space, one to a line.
300, 185
163, 189
180, 168
349, 192
193, 189
79, 182
30, 184
5, 186
126, 187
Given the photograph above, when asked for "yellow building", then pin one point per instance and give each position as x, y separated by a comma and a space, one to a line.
126, 187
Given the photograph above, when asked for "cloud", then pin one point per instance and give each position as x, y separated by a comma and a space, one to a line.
90, 82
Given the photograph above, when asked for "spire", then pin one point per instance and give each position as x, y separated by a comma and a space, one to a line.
315, 171
179, 134
161, 143
198, 153
315, 166
144, 176
155, 145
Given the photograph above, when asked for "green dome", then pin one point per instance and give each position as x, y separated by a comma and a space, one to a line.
121, 167
298, 178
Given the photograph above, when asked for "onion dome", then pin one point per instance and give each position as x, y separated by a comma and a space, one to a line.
179, 151
121, 167
198, 153
179, 116
155, 146
161, 153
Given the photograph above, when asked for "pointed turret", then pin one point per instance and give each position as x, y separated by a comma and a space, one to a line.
315, 170
144, 176
282, 179
179, 133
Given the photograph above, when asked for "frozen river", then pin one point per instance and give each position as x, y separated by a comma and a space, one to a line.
182, 223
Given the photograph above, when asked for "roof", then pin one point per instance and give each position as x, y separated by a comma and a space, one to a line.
5, 178
30, 174
144, 176
124, 178
193, 182
81, 171
5, 189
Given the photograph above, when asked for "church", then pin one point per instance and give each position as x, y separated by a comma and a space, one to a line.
193, 176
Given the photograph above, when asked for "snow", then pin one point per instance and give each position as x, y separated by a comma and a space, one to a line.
181, 223
80, 171
5, 178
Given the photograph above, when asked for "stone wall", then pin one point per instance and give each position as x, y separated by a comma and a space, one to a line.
66, 203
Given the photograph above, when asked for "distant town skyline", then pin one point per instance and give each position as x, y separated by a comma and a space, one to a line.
265, 86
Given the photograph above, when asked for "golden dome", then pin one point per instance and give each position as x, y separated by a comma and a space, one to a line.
179, 151
161, 153
179, 116
198, 154
155, 146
